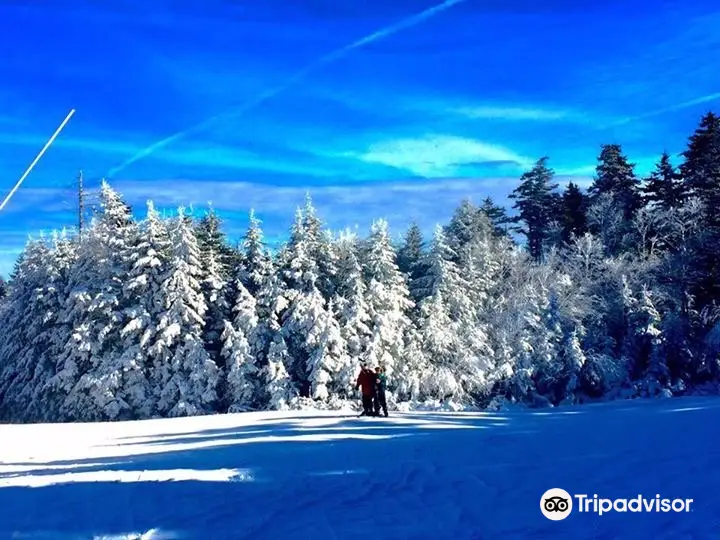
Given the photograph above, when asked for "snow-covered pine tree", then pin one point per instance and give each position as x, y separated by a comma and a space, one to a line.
298, 272
641, 327
351, 310
448, 326
242, 387
411, 259
185, 377
210, 237
217, 262
16, 317
258, 279
319, 248
93, 311
546, 340
279, 388
149, 258
51, 333
484, 259
215, 292
650, 354
257, 264
327, 359
33, 333
389, 305
311, 334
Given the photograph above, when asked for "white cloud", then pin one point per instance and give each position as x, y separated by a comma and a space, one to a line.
514, 113
438, 156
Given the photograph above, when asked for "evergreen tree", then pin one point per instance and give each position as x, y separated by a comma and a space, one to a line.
410, 258
257, 264
148, 257
279, 388
211, 239
84, 374
388, 301
215, 292
574, 212
701, 168
319, 246
497, 215
451, 338
701, 177
328, 359
574, 359
615, 176
34, 330
185, 376
664, 186
305, 319
351, 309
242, 388
464, 229
536, 205
410, 254
643, 338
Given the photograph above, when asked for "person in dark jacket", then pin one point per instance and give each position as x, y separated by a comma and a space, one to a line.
366, 381
380, 387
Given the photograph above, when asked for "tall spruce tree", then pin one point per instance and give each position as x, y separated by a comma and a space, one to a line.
92, 310
664, 186
701, 168
211, 239
350, 305
411, 257
319, 246
701, 176
536, 205
573, 212
615, 175
497, 215
185, 377
388, 301
257, 263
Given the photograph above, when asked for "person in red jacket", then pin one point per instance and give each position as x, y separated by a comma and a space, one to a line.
367, 381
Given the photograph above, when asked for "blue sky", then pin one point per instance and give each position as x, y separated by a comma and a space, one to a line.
455, 103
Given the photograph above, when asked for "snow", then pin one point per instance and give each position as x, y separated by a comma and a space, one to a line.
327, 474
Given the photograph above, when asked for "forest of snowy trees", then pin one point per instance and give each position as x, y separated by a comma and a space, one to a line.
612, 293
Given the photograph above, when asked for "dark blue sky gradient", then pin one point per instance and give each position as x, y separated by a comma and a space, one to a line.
402, 128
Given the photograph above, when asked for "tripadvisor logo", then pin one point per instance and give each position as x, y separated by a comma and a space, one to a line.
556, 504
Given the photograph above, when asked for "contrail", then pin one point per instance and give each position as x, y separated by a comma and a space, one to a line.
297, 77
672, 108
37, 158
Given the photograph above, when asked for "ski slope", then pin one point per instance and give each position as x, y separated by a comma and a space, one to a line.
324, 475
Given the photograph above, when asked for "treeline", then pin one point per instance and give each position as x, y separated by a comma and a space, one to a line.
614, 294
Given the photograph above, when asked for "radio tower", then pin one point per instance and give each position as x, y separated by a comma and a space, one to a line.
81, 204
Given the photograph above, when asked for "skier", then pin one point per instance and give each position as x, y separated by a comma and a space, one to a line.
380, 386
366, 381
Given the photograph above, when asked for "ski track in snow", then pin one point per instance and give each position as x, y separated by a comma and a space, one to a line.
324, 475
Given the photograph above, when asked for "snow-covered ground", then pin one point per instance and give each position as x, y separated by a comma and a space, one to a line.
322, 475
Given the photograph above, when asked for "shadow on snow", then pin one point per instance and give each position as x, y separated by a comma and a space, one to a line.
416, 475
